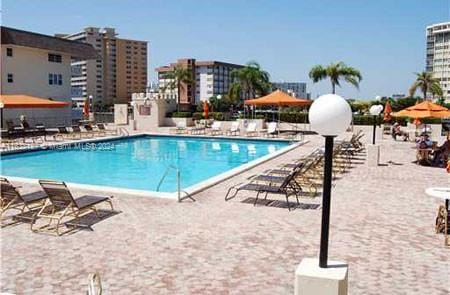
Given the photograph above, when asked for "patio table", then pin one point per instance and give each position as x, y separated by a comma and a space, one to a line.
441, 193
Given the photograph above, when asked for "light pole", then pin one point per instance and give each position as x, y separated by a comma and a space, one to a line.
329, 115
375, 111
1, 114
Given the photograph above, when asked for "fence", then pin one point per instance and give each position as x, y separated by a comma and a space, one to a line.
104, 117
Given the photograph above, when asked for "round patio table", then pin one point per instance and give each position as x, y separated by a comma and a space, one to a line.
441, 193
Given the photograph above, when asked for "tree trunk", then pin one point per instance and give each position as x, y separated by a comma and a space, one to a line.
333, 88
178, 96
424, 94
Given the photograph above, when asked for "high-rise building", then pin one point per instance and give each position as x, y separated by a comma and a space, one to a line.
296, 89
211, 78
438, 55
120, 70
39, 65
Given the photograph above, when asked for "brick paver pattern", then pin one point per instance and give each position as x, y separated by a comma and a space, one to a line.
382, 224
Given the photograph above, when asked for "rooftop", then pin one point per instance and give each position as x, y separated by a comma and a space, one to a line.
10, 36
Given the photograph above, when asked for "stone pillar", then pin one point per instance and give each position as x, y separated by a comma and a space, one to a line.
120, 114
310, 279
373, 155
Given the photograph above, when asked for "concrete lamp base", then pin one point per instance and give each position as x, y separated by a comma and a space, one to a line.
310, 279
373, 155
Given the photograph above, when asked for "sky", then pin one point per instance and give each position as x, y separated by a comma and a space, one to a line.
384, 39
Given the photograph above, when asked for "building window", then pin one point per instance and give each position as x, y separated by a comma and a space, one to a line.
54, 79
10, 78
9, 52
54, 58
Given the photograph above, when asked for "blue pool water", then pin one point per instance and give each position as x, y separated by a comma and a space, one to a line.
139, 162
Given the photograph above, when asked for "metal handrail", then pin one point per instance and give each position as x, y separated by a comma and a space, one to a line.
179, 190
164, 175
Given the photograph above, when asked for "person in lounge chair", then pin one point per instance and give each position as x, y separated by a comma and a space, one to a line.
441, 154
397, 131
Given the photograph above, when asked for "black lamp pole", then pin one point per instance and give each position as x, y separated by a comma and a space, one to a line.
326, 201
374, 128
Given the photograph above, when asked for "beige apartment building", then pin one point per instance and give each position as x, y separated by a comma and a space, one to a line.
438, 55
39, 65
120, 70
212, 78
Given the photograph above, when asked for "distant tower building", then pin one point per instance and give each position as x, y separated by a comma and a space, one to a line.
438, 55
296, 89
211, 78
120, 70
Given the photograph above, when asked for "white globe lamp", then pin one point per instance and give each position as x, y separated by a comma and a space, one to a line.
375, 111
329, 115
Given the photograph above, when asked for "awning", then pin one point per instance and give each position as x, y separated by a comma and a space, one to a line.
424, 109
16, 101
278, 98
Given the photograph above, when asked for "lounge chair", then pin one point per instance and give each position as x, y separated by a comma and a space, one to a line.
12, 199
286, 186
97, 132
251, 129
216, 128
180, 128
61, 204
198, 129
272, 129
234, 129
107, 131
77, 130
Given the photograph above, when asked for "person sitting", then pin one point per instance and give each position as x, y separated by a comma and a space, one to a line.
424, 145
441, 154
397, 131
424, 141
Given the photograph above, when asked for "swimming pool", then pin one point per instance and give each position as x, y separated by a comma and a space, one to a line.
139, 163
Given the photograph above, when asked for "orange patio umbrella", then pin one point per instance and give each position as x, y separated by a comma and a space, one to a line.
17, 101
86, 108
278, 98
425, 109
387, 112
205, 109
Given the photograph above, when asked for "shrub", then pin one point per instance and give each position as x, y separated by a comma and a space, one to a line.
179, 115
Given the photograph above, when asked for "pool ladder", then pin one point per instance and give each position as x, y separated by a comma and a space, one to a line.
179, 190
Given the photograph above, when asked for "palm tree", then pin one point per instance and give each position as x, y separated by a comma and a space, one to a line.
426, 82
179, 77
335, 72
252, 80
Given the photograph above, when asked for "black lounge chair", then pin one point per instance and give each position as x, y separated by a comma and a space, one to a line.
12, 199
286, 187
77, 130
107, 131
91, 129
61, 204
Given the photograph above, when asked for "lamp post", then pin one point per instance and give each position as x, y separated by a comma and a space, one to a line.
375, 111
1, 114
329, 115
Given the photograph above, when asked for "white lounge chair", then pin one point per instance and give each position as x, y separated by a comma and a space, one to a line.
216, 128
180, 128
272, 129
251, 129
234, 129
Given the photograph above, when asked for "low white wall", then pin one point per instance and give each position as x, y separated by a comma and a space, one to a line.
171, 122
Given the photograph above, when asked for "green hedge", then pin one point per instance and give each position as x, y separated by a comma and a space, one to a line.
368, 120
219, 116
179, 115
